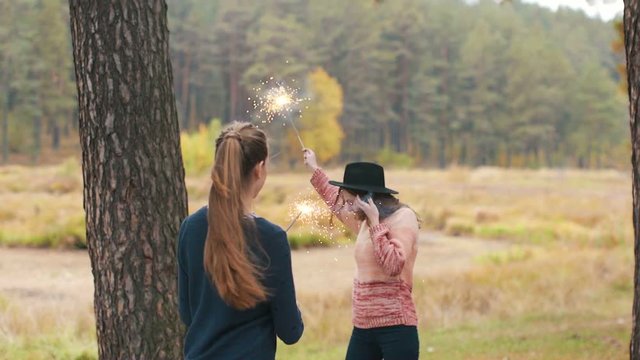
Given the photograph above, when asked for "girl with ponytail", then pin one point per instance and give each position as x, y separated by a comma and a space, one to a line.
236, 290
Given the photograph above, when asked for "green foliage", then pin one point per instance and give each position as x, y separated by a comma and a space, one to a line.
198, 148
269, 40
445, 82
306, 240
63, 346
390, 158
532, 233
70, 233
515, 254
56, 88
598, 116
70, 167
37, 92
458, 227
19, 133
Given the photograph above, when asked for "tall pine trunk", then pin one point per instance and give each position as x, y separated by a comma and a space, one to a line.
55, 136
186, 75
5, 124
234, 79
134, 191
632, 47
442, 152
37, 139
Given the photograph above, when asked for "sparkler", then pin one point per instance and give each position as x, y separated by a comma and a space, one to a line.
278, 101
293, 221
314, 213
297, 133
306, 209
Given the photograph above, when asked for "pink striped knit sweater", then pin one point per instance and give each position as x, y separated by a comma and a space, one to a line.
385, 255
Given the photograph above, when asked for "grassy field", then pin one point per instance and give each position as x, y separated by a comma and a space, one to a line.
549, 306
43, 206
560, 289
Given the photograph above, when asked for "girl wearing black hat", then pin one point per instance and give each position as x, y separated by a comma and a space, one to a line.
384, 315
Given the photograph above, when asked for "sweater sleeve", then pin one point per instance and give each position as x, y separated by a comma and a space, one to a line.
286, 315
329, 194
183, 281
391, 251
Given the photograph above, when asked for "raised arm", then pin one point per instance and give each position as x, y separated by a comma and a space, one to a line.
329, 193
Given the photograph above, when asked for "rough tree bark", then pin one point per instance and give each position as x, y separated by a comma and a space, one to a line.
632, 49
134, 192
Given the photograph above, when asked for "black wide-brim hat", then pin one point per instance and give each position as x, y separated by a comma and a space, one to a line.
364, 176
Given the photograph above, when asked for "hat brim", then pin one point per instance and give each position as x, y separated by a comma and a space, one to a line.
373, 189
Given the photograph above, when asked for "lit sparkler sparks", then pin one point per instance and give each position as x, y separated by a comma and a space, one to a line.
275, 100
306, 211
315, 214
278, 101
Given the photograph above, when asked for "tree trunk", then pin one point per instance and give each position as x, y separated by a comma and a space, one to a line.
632, 39
134, 191
632, 43
74, 119
404, 105
186, 75
37, 136
55, 136
234, 79
442, 149
5, 126
65, 125
193, 111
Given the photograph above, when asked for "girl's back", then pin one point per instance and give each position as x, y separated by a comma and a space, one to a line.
217, 330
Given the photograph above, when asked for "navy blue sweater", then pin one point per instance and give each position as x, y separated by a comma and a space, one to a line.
218, 331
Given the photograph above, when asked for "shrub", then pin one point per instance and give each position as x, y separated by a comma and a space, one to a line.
306, 240
391, 158
505, 257
198, 147
458, 227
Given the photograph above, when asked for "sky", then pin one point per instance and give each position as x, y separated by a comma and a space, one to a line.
605, 9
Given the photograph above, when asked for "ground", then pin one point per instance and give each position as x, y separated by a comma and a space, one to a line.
62, 279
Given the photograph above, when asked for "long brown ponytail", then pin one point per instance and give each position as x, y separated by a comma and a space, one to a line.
239, 148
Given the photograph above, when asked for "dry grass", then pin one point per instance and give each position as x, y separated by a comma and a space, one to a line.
522, 205
46, 331
43, 206
537, 281
573, 259
503, 285
564, 284
559, 305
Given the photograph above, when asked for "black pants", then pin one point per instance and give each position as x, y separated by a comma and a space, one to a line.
389, 343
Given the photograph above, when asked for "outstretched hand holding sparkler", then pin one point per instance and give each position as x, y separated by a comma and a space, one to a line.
305, 208
282, 101
310, 159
